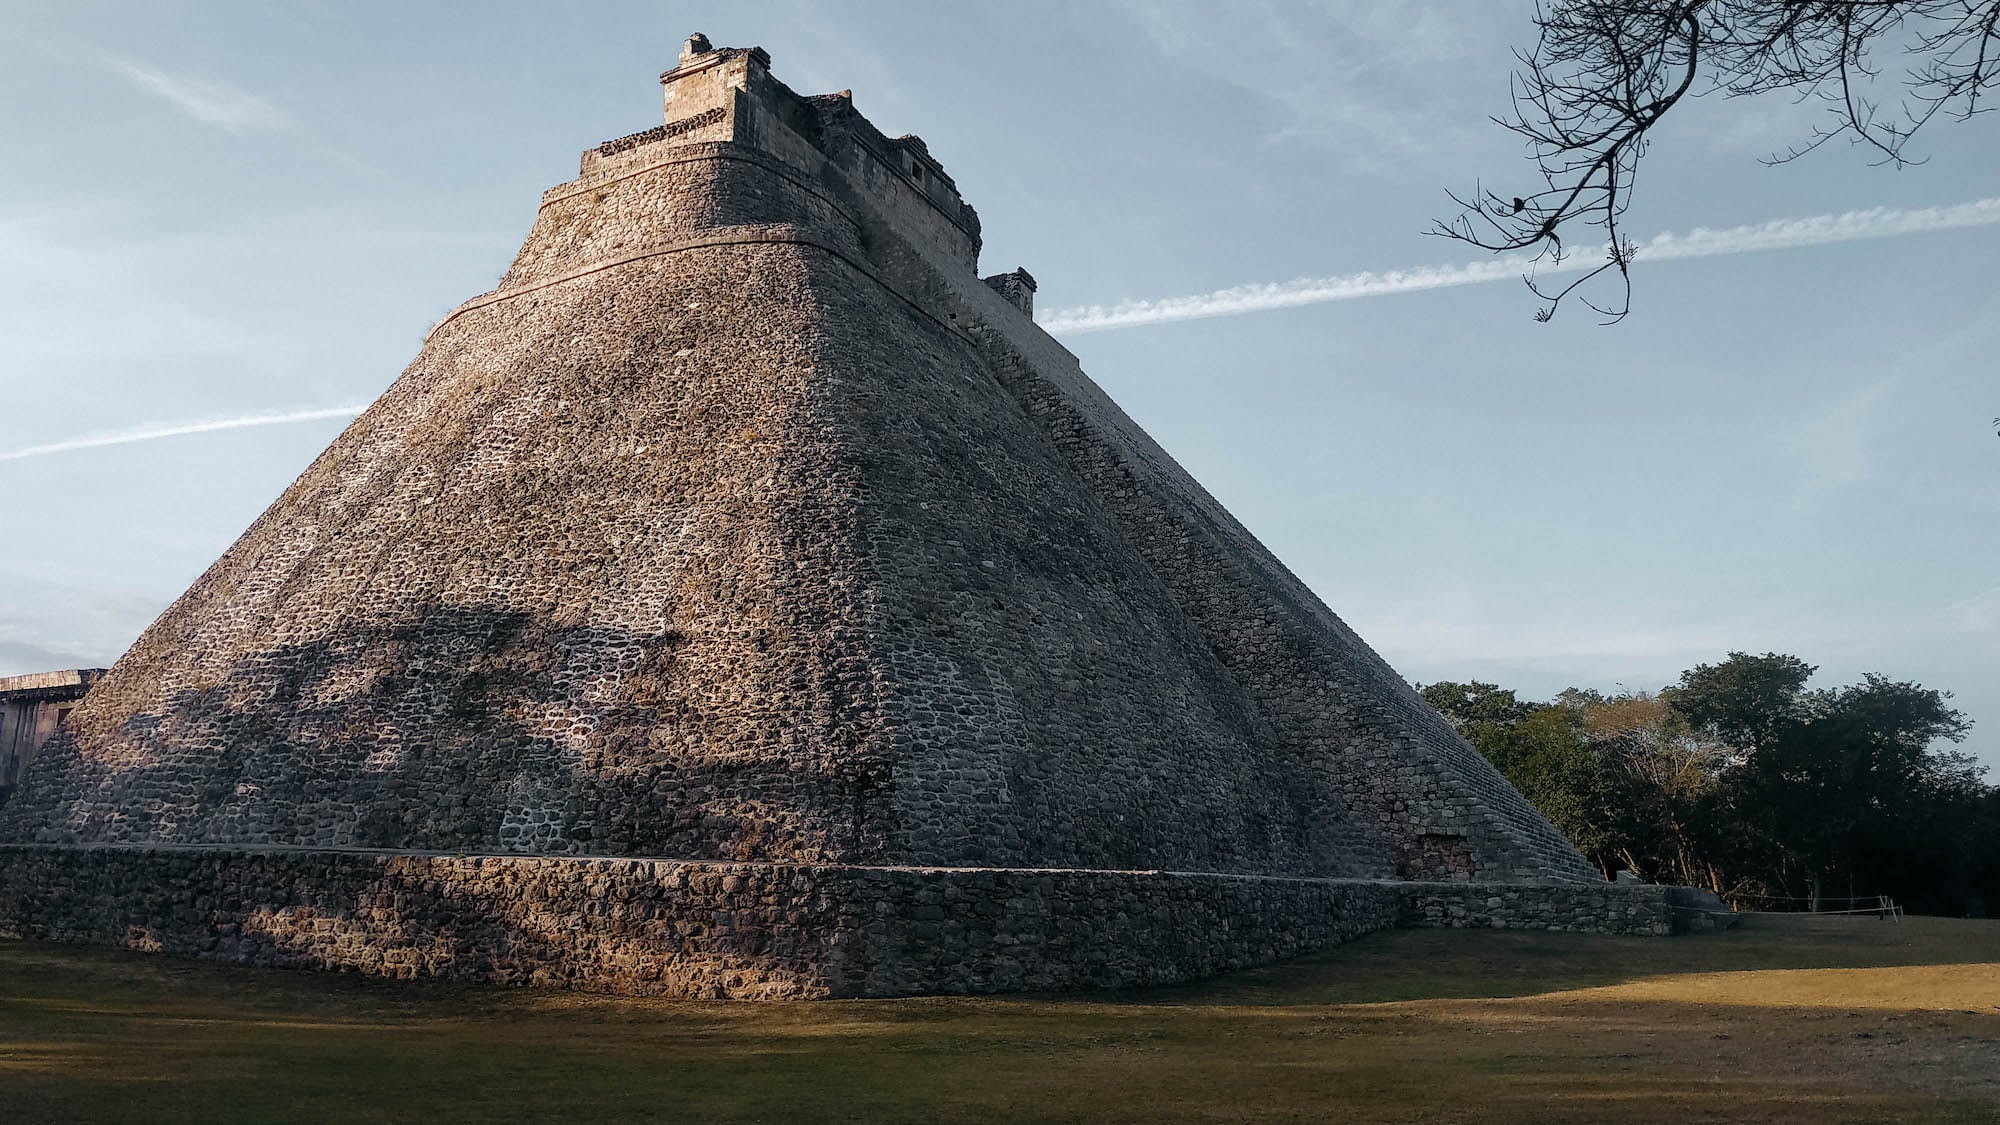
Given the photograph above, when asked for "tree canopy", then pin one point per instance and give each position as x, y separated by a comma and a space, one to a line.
1741, 779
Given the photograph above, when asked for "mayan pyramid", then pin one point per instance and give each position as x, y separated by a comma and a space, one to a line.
747, 599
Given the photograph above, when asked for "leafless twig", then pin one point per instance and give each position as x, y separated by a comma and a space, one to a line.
1604, 72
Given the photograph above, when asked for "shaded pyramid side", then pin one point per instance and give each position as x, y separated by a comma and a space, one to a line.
1377, 758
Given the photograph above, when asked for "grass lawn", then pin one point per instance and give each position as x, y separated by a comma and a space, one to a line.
1781, 1020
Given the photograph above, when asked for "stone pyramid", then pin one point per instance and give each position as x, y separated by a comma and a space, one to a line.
747, 599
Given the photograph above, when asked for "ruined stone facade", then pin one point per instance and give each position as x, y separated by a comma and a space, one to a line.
32, 708
745, 532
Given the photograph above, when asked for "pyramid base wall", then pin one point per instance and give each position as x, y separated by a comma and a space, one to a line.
741, 931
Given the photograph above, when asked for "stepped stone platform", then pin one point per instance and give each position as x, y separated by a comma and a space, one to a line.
749, 931
746, 524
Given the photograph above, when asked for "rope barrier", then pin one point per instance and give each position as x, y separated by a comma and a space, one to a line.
1882, 905
1803, 898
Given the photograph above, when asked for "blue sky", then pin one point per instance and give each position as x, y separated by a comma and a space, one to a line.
238, 210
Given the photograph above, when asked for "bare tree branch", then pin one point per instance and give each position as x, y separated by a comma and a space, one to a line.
1604, 72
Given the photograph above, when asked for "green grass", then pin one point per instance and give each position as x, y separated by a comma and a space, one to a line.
1779, 1021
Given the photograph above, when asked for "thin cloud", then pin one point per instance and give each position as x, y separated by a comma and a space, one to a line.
1356, 80
1833, 448
1979, 613
1781, 234
203, 99
154, 433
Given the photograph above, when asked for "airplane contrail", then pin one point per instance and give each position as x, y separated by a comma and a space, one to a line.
1816, 230
152, 433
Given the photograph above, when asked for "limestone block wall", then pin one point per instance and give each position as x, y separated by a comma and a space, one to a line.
737, 931
580, 580
1398, 794
725, 554
729, 94
1055, 707
745, 523
676, 192
745, 600
1396, 791
899, 181
1592, 908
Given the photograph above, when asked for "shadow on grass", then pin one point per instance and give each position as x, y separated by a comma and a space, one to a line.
1406, 1025
1424, 964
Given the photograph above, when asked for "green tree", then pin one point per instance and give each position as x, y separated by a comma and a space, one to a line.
1745, 701
1831, 787
1846, 786
1740, 779
1472, 704
1544, 751
1676, 820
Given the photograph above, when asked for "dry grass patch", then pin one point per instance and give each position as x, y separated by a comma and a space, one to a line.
1863, 1021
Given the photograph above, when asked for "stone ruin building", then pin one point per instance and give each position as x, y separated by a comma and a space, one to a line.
746, 599
32, 707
